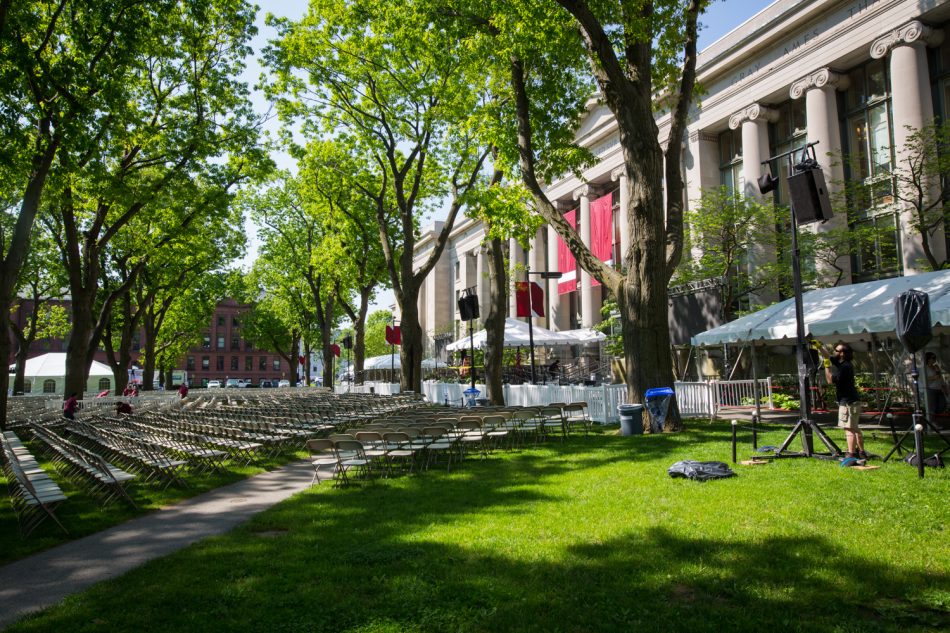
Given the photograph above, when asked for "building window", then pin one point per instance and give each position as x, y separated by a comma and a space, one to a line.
190, 363
248, 346
104, 383
136, 342
235, 322
263, 363
872, 214
220, 321
205, 363
276, 364
458, 270
206, 341
220, 342
49, 386
219, 363
27, 386
235, 343
730, 161
234, 363
248, 363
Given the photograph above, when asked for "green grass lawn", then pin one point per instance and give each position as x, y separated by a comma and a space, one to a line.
588, 535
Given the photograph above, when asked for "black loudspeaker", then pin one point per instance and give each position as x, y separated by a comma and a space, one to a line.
468, 307
809, 197
912, 323
348, 342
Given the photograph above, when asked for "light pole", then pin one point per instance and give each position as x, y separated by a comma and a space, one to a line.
809, 203
544, 274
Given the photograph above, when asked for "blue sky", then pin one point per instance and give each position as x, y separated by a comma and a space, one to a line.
721, 17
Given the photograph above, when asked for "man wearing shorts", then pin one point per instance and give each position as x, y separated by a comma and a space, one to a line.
840, 372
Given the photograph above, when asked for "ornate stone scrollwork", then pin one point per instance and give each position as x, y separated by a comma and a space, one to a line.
908, 34
583, 190
618, 173
754, 112
818, 79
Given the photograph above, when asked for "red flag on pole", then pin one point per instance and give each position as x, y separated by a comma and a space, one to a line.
335, 349
521, 298
301, 359
393, 335
537, 299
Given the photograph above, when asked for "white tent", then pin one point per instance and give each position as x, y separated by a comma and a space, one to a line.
516, 333
840, 311
584, 335
47, 374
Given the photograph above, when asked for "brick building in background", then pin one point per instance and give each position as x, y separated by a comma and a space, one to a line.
222, 353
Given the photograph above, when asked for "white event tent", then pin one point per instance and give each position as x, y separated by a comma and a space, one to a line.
844, 312
516, 334
47, 374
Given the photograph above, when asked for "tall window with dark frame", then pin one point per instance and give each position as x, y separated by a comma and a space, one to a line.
205, 363
730, 161
869, 145
219, 364
190, 363
248, 363
235, 343
234, 363
262, 365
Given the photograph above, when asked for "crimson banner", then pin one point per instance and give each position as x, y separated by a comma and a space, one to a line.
335, 349
393, 335
602, 230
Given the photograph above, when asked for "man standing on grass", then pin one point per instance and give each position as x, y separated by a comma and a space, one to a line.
840, 371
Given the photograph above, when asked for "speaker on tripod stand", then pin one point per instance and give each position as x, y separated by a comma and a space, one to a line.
914, 330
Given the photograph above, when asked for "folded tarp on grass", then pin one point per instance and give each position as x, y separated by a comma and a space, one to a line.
700, 471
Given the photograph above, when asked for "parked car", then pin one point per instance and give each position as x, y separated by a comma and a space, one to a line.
214, 384
266, 384
233, 383
283, 383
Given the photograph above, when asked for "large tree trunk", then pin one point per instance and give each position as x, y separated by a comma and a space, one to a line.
412, 349
495, 323
359, 333
82, 346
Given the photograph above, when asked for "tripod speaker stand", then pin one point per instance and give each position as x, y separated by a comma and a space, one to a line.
913, 327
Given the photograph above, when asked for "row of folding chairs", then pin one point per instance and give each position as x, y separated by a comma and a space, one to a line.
139, 454
33, 494
86, 467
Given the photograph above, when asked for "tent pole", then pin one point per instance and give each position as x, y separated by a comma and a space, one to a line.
755, 386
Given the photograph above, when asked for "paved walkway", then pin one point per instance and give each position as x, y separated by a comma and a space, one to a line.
42, 580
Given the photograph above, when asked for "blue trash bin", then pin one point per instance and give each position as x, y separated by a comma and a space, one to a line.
471, 395
658, 404
631, 419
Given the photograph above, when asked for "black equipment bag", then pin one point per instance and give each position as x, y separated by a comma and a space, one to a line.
700, 471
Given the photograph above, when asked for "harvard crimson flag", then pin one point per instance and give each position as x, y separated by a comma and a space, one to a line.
335, 349
393, 335
521, 298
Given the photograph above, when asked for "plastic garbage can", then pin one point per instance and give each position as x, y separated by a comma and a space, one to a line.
471, 395
658, 404
631, 419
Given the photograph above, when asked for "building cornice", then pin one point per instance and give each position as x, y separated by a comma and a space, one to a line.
911, 33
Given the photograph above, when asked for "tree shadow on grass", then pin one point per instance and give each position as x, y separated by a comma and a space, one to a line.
480, 550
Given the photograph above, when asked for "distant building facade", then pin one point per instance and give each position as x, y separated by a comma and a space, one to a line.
223, 352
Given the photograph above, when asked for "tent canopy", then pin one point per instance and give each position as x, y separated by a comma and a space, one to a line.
516, 333
864, 308
53, 365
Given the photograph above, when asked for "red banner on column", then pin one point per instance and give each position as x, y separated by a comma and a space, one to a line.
521, 299
537, 299
565, 260
602, 230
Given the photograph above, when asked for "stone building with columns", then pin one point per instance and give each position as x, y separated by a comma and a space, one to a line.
855, 76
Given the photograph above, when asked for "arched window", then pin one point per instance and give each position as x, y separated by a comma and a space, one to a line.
104, 383
27, 385
49, 386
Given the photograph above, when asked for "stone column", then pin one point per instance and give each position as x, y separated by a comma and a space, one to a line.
754, 121
557, 308
582, 194
821, 112
702, 171
623, 220
481, 276
911, 105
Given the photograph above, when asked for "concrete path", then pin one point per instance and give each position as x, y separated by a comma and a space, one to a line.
42, 580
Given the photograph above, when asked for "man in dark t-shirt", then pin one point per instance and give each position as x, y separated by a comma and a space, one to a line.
840, 372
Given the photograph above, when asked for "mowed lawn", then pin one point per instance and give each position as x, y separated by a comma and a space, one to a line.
586, 535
